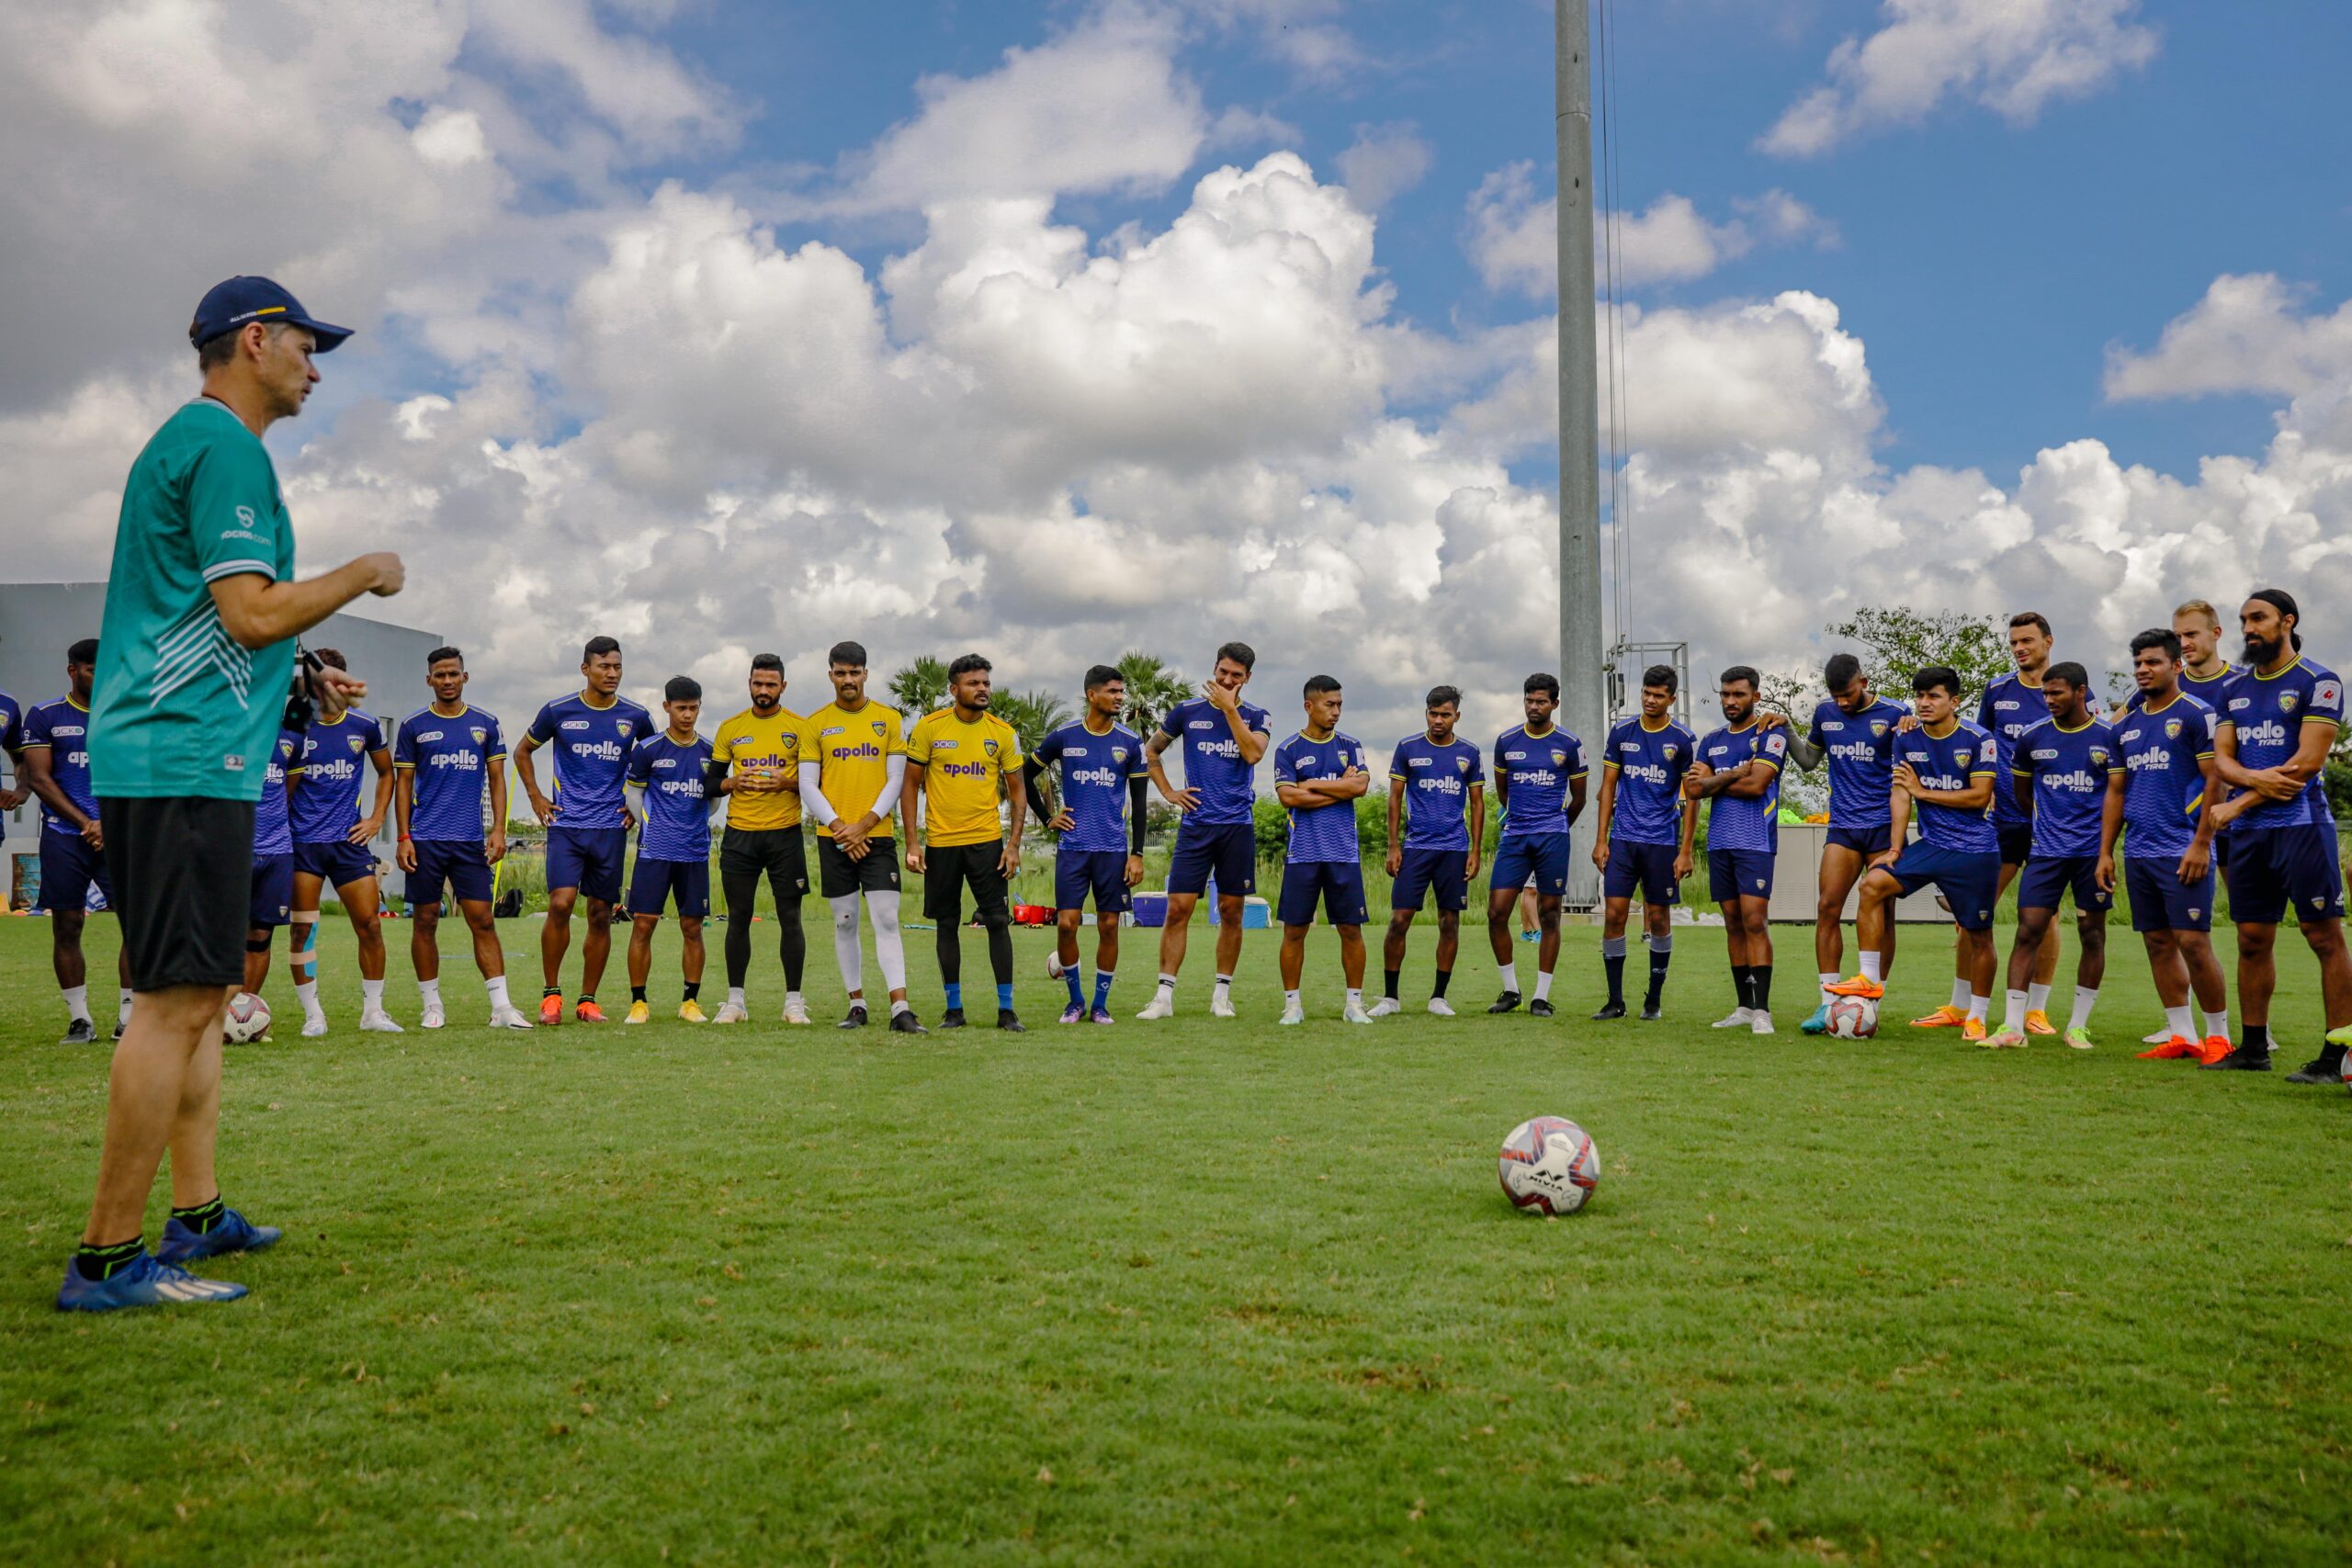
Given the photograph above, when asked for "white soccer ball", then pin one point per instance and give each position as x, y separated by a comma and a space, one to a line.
1852, 1018
1054, 970
248, 1019
1549, 1166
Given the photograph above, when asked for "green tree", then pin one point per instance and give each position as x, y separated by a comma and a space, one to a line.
1153, 687
1034, 715
920, 687
1896, 642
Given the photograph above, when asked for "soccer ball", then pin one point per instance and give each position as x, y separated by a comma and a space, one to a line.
1053, 965
1853, 1017
248, 1019
1549, 1166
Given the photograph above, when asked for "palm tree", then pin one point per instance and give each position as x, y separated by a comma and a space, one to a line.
920, 687
1152, 689
1034, 715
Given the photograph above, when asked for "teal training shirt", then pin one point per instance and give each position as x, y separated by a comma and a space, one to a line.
180, 708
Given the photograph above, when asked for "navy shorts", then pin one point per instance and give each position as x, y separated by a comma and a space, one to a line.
1649, 867
1101, 873
588, 859
1863, 841
655, 882
68, 866
1227, 852
273, 891
1445, 873
462, 866
1743, 874
2161, 901
1541, 858
1970, 883
2016, 842
2047, 878
338, 865
2272, 870
2221, 851
1336, 885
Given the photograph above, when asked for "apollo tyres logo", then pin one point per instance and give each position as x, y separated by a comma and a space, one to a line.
1106, 777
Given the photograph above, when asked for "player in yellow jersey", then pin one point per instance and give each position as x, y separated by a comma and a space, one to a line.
755, 763
852, 760
963, 755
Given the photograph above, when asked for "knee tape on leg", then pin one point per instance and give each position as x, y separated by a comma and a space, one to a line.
306, 937
257, 945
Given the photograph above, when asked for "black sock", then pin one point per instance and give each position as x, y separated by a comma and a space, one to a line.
1445, 978
101, 1262
203, 1216
1743, 984
1760, 980
587, 998
636, 994
2255, 1037
693, 990
1391, 976
556, 991
1614, 965
1658, 961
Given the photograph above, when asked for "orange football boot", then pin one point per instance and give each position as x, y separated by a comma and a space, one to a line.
2173, 1049
589, 1012
1972, 1030
1945, 1017
550, 1010
2215, 1047
2037, 1023
1869, 990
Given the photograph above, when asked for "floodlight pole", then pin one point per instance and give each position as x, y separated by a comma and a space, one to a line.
1584, 703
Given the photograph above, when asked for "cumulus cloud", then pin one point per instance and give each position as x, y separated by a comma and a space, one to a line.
1305, 33
1382, 164
1512, 234
2247, 335
2010, 56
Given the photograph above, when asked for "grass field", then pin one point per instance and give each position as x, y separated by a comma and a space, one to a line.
1198, 1291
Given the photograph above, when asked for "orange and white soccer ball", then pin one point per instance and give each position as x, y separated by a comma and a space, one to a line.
1549, 1167
1852, 1018
248, 1019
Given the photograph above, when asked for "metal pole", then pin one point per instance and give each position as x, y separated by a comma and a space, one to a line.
1584, 703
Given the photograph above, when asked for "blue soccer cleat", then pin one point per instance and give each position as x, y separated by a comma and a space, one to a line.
142, 1282
233, 1233
1819, 1024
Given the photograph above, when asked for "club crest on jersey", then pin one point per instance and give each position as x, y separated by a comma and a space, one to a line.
878, 728
1118, 753
481, 737
359, 744
989, 746
1878, 728
1669, 751
2286, 701
624, 727
1462, 764
2171, 729
1559, 759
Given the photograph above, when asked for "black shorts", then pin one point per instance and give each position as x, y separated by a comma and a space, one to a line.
773, 852
948, 870
182, 869
838, 876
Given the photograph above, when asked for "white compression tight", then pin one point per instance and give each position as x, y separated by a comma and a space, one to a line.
889, 947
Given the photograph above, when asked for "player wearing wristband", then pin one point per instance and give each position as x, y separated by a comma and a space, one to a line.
1101, 821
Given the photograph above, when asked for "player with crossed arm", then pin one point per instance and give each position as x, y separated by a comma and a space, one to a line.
1637, 845
668, 778
1224, 738
1854, 732
446, 756
1738, 768
1437, 794
1102, 774
963, 755
56, 763
1540, 779
1319, 773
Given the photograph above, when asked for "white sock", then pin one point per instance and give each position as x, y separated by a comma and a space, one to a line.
2176, 1019
307, 993
735, 998
431, 991
2037, 999
1510, 968
122, 1003
1871, 968
496, 987
2013, 1011
371, 996
1542, 984
1224, 987
846, 953
1959, 993
890, 948
1168, 982
1829, 980
2217, 1024
1978, 1006
1290, 998
2084, 997
901, 1006
791, 999
1355, 996
77, 1002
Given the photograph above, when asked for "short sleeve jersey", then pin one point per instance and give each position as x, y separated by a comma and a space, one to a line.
273, 829
1319, 833
1536, 772
1649, 764
591, 747
1437, 781
677, 815
962, 768
1734, 822
1095, 774
62, 727
2164, 752
328, 774
182, 708
853, 752
1212, 762
2267, 713
1950, 761
2008, 709
1860, 750
753, 742
450, 761
2209, 689
2068, 771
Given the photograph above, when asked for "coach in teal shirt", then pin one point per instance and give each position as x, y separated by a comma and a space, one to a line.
196, 662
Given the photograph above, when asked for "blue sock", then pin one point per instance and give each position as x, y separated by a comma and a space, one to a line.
955, 993
1103, 990
1077, 987
1004, 997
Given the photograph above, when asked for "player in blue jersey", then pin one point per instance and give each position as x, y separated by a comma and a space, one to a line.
2011, 705
331, 843
1638, 844
2279, 722
1223, 740
1540, 777
56, 763
12, 747
1738, 768
1853, 732
1437, 821
1319, 773
1944, 769
2165, 738
592, 732
1100, 776
2067, 775
668, 792
270, 898
449, 758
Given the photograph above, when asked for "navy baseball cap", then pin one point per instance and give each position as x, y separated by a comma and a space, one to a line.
228, 305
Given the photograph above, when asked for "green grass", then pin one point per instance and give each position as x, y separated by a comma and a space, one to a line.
1198, 1293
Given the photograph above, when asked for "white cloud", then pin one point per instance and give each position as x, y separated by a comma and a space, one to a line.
1512, 235
1382, 164
1304, 33
2011, 56
2245, 335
